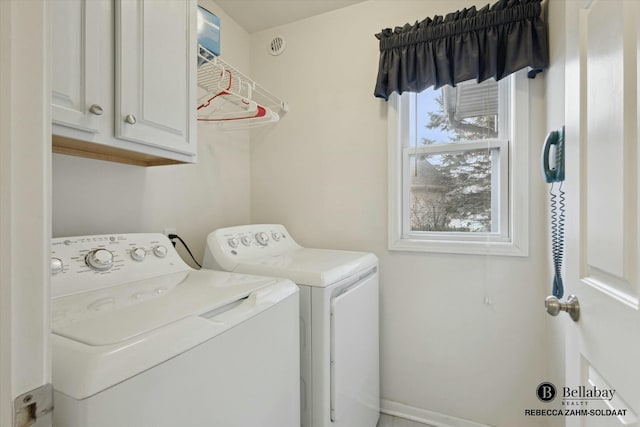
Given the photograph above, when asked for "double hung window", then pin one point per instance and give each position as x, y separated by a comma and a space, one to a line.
458, 168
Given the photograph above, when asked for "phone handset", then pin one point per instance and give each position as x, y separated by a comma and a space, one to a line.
553, 160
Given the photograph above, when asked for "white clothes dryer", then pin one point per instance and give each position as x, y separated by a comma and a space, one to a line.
142, 340
338, 317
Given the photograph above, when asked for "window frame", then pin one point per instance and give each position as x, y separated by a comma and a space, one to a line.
499, 180
514, 216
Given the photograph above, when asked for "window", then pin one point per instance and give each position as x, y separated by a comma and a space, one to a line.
458, 168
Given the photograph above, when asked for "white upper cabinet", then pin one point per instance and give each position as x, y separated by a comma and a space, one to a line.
155, 65
124, 80
81, 99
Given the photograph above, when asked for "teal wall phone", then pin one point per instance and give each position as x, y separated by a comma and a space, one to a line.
553, 171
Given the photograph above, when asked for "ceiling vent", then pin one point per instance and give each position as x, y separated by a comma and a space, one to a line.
277, 45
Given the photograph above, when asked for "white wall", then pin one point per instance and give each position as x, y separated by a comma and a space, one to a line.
322, 171
92, 196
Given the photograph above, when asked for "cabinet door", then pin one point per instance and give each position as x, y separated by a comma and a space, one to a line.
156, 73
81, 50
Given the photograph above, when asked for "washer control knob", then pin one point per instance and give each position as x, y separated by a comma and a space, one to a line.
160, 251
262, 238
233, 242
246, 240
56, 266
99, 259
276, 236
138, 254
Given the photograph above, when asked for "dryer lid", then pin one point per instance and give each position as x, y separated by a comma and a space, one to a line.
311, 267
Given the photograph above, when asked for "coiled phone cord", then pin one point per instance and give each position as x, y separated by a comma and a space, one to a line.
557, 237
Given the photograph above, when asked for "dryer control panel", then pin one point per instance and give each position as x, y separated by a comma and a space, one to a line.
86, 263
226, 247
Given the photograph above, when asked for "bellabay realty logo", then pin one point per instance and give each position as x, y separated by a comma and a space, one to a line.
576, 396
547, 392
584, 393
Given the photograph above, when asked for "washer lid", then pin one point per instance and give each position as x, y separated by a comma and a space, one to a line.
311, 267
121, 313
96, 349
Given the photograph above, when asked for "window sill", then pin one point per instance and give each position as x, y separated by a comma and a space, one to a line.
462, 248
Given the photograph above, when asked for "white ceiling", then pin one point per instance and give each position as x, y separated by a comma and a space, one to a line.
257, 15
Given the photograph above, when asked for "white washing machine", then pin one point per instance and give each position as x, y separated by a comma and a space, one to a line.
339, 318
142, 340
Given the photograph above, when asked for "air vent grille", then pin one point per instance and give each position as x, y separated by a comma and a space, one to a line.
277, 45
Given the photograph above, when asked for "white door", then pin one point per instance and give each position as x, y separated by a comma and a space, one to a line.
25, 214
603, 244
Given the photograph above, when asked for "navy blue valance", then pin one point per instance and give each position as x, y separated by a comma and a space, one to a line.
494, 41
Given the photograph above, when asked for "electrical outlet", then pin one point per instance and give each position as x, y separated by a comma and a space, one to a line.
169, 230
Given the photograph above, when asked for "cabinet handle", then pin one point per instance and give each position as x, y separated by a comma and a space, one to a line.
130, 118
96, 110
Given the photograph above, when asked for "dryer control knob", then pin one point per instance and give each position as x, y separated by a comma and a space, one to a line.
262, 238
99, 259
138, 254
276, 236
160, 251
246, 240
233, 242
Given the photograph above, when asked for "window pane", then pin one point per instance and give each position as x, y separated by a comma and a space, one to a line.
451, 191
466, 112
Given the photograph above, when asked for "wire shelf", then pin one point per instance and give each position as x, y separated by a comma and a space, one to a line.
227, 95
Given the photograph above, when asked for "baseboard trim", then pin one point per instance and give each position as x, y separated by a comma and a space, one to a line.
430, 418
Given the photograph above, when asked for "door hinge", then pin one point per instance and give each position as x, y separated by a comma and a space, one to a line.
34, 408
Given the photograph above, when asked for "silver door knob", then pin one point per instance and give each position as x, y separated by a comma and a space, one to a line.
130, 118
555, 306
95, 109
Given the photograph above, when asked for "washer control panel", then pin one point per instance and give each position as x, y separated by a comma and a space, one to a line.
226, 247
85, 263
